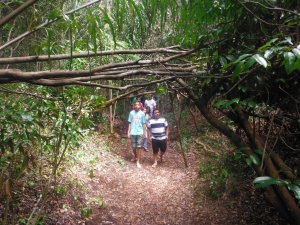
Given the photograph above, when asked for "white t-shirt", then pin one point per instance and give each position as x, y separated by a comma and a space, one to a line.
151, 104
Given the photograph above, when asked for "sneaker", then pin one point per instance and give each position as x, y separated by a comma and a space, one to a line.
146, 150
138, 165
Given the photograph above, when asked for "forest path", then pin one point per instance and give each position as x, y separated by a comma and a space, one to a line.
162, 195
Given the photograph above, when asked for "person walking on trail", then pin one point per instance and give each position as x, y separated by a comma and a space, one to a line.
137, 99
151, 103
158, 132
148, 117
137, 131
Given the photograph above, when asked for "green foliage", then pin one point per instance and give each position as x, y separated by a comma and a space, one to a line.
97, 201
252, 159
161, 90
61, 190
265, 181
217, 170
86, 212
225, 104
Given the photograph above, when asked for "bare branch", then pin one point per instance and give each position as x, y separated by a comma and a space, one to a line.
124, 87
16, 12
46, 23
112, 101
42, 58
274, 8
259, 18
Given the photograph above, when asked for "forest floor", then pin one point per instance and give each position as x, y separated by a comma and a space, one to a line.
116, 192
99, 185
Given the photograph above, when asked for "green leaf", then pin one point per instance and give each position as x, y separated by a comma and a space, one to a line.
287, 40
262, 182
230, 57
296, 51
225, 103
255, 159
139, 15
242, 57
248, 161
92, 30
223, 61
268, 54
239, 68
108, 19
161, 90
261, 60
249, 63
259, 151
289, 60
295, 189
268, 44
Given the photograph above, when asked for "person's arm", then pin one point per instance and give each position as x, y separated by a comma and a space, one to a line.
167, 133
149, 135
167, 129
144, 130
129, 129
143, 120
149, 131
129, 125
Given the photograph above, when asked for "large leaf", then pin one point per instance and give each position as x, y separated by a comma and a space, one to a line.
92, 26
261, 60
108, 19
295, 189
296, 51
139, 15
290, 62
268, 44
268, 54
262, 182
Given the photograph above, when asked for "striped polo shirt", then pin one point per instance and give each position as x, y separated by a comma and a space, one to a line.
158, 128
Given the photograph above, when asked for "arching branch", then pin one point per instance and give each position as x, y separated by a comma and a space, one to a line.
43, 58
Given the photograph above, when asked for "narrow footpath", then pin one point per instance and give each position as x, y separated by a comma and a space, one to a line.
168, 194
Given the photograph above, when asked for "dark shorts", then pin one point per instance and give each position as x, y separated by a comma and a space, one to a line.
159, 145
136, 141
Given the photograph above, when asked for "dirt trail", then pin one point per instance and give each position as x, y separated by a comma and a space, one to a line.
154, 196
161, 195
168, 194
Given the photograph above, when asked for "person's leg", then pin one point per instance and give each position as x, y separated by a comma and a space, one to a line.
133, 145
155, 152
145, 145
163, 148
139, 150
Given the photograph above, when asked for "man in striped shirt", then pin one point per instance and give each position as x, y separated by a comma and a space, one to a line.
158, 132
